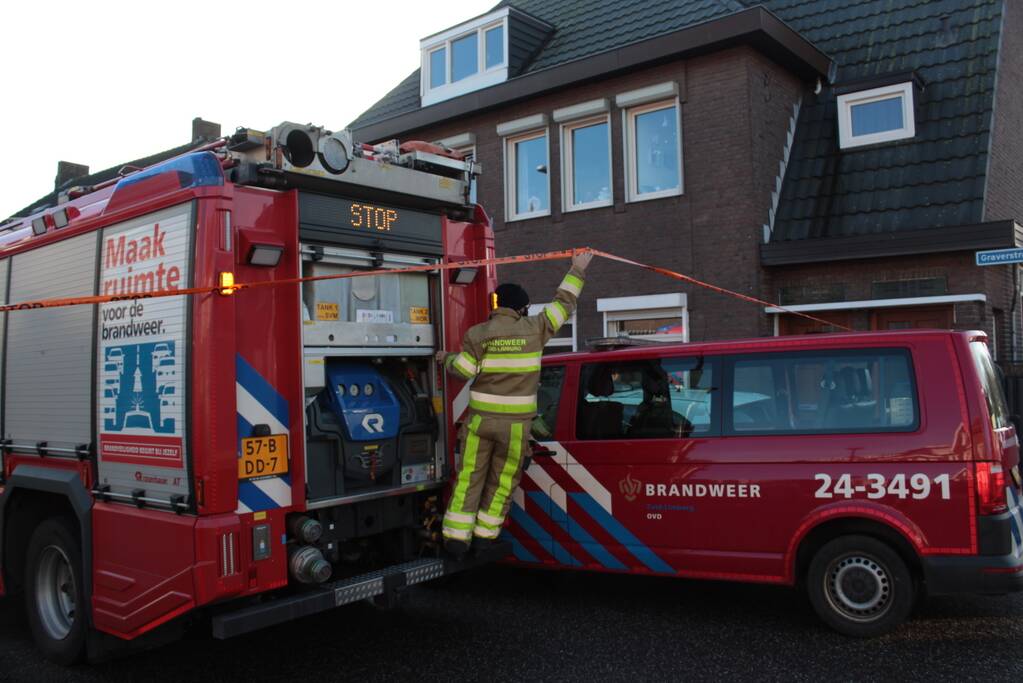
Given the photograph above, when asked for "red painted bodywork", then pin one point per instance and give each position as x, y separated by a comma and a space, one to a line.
757, 538
150, 566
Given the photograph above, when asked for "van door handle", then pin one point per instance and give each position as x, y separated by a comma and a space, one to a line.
541, 451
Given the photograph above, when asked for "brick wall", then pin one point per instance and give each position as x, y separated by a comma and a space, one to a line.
735, 109
1004, 192
963, 277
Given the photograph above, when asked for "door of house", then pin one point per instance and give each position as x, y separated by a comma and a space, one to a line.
921, 317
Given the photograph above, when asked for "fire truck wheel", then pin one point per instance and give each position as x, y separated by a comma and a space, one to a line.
860, 586
53, 585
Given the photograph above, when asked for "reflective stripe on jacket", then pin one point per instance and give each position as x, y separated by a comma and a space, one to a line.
501, 357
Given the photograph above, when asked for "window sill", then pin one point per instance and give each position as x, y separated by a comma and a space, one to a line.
663, 194
527, 216
587, 207
878, 139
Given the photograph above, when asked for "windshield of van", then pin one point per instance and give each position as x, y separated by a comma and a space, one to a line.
990, 384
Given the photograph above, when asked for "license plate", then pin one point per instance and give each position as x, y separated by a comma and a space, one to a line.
263, 456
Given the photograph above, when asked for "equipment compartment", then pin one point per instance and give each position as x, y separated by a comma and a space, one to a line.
367, 311
372, 427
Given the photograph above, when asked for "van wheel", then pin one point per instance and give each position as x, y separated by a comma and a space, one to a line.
53, 591
860, 586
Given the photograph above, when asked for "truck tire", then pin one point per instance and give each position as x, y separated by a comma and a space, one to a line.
53, 591
860, 586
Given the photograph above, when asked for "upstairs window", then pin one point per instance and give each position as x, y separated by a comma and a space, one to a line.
653, 151
494, 46
874, 116
438, 67
586, 163
527, 181
465, 58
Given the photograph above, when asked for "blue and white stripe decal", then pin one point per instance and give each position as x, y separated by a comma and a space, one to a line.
259, 403
520, 551
578, 534
1015, 521
621, 534
540, 535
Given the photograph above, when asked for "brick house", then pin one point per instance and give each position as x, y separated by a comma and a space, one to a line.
840, 157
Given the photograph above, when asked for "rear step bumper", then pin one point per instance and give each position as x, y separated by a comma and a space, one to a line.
384, 582
980, 574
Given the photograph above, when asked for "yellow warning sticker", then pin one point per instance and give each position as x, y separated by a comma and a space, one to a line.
419, 314
327, 311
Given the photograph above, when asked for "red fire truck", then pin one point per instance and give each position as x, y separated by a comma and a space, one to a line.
272, 451
870, 468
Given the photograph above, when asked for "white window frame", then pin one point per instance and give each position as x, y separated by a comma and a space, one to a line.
555, 342
428, 65
484, 77
567, 168
629, 134
671, 305
845, 106
511, 177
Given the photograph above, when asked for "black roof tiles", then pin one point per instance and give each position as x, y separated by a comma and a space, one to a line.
582, 28
936, 178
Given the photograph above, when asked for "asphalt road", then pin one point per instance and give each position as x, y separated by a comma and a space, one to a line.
506, 624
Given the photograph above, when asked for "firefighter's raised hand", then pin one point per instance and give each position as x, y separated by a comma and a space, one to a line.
440, 356
581, 259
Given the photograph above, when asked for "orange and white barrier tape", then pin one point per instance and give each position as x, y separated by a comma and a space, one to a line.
477, 263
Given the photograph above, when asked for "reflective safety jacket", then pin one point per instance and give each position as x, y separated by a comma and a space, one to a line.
501, 357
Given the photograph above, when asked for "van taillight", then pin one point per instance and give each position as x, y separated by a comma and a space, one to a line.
991, 489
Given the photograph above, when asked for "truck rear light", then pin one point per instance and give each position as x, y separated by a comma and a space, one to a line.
991, 498
228, 553
227, 286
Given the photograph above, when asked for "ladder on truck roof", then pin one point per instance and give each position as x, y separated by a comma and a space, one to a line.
290, 155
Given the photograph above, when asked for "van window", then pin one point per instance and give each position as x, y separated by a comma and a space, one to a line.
548, 396
990, 385
655, 398
823, 392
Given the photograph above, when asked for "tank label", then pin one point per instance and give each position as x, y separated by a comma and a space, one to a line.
419, 315
327, 311
141, 355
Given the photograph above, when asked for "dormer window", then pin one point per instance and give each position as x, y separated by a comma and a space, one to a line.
465, 58
870, 117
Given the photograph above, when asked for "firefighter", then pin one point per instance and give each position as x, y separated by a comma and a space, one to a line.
501, 358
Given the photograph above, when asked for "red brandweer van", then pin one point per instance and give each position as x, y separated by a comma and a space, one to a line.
868, 467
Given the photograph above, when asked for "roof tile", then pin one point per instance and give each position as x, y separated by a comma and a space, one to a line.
936, 178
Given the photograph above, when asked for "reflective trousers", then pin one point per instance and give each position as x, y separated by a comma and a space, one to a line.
493, 449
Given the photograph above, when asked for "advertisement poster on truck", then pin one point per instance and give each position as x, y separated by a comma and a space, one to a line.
141, 354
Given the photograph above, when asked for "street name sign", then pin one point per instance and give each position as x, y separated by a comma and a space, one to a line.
997, 257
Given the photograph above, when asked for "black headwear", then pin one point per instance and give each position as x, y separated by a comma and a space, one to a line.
511, 296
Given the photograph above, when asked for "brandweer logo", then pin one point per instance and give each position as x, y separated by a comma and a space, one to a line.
630, 487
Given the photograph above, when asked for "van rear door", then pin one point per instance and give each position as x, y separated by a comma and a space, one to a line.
997, 408
1004, 441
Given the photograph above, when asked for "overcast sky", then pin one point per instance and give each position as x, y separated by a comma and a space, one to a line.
102, 83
